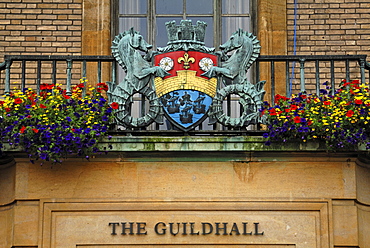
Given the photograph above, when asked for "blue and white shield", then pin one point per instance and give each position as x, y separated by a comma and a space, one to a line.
186, 95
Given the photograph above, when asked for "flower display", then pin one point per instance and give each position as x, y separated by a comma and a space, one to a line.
53, 124
340, 118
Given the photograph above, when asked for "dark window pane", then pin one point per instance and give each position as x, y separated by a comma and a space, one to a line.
232, 24
209, 30
235, 7
133, 7
169, 6
162, 38
139, 24
199, 6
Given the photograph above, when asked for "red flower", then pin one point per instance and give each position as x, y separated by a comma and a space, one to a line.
22, 129
17, 101
81, 85
272, 111
46, 86
297, 119
350, 113
114, 105
358, 101
35, 130
7, 109
42, 106
327, 102
101, 87
280, 97
293, 107
64, 93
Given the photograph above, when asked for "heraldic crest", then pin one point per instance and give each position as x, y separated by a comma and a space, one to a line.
186, 81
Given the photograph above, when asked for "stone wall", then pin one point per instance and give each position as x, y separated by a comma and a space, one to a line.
298, 200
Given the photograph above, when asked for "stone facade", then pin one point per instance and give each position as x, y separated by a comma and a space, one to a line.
296, 196
179, 192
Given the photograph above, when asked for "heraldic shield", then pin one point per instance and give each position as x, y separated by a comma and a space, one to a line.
186, 81
186, 95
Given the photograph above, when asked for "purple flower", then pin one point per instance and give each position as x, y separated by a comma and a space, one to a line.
44, 156
91, 142
104, 118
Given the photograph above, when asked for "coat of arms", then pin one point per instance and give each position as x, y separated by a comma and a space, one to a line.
186, 81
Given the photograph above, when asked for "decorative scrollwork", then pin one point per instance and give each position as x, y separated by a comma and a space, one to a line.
250, 99
124, 117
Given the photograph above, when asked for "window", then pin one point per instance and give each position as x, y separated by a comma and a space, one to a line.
223, 17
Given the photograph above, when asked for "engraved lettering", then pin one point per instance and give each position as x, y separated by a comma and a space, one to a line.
218, 228
171, 229
192, 229
124, 228
235, 229
210, 227
141, 227
184, 228
113, 224
163, 231
245, 229
256, 229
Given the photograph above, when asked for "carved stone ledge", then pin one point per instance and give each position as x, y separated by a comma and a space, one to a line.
6, 162
363, 160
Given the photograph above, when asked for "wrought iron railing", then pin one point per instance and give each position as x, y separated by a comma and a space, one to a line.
295, 66
284, 74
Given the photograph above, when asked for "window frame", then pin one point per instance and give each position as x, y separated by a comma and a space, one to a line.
151, 17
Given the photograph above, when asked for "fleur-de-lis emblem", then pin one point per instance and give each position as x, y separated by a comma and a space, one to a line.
187, 60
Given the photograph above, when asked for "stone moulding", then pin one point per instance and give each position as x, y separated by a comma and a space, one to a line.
211, 143
208, 144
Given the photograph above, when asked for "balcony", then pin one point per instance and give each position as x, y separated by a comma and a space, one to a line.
284, 75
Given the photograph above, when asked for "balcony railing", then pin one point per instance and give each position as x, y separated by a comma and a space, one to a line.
283, 74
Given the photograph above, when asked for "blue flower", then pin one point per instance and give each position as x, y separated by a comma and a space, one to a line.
44, 156
104, 118
91, 142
